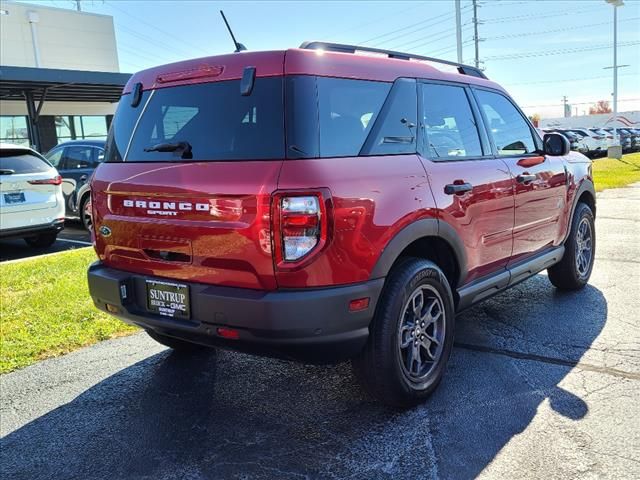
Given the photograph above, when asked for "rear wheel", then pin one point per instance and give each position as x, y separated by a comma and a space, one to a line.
42, 240
574, 270
411, 335
177, 344
85, 212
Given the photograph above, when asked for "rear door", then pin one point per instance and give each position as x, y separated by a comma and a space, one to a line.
77, 164
473, 191
198, 208
539, 181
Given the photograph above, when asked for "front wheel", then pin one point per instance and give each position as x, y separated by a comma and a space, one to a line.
574, 270
42, 240
411, 336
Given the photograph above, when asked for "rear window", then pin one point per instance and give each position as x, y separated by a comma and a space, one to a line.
283, 117
16, 162
213, 119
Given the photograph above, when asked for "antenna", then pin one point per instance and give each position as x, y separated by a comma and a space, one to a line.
239, 47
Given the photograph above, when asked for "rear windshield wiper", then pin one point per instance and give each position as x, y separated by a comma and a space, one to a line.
185, 147
6, 171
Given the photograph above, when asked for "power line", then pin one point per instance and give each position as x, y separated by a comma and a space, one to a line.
405, 27
570, 79
538, 15
558, 52
563, 29
164, 32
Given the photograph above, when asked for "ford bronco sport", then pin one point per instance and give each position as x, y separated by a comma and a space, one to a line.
329, 202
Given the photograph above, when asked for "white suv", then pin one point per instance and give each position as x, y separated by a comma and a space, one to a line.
596, 143
31, 201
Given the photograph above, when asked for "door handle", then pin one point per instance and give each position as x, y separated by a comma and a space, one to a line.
457, 188
525, 178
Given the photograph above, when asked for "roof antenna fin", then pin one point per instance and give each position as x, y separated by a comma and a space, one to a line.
239, 47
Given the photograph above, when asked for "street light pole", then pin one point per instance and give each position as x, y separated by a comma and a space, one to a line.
615, 74
616, 150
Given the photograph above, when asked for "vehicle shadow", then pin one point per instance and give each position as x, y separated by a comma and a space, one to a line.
229, 415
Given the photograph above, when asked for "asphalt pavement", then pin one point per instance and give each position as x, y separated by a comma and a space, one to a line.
541, 384
73, 236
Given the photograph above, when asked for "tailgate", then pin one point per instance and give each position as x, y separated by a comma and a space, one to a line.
205, 222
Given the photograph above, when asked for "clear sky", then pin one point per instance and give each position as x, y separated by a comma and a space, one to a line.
539, 50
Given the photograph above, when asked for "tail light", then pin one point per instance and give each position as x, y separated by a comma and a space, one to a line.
300, 226
57, 180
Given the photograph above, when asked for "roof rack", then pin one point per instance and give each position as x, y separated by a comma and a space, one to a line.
339, 47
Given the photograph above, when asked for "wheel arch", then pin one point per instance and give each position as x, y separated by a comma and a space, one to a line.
430, 239
586, 193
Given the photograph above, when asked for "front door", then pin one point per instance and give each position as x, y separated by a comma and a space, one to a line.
539, 181
473, 191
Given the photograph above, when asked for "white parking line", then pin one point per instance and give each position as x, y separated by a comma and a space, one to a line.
80, 242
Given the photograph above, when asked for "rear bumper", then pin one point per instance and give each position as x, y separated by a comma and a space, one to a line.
32, 230
313, 325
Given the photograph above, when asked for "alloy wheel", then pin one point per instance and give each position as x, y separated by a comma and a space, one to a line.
421, 333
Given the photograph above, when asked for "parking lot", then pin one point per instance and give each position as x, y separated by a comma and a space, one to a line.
73, 236
541, 384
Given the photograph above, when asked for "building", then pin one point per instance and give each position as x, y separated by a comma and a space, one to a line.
606, 120
59, 74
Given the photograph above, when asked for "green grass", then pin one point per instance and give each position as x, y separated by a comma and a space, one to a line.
612, 173
45, 309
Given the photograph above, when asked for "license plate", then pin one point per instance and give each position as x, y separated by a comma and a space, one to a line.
168, 299
15, 197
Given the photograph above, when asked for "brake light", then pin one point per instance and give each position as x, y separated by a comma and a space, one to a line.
57, 180
300, 225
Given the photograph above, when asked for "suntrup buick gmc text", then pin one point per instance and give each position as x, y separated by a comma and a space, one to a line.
327, 203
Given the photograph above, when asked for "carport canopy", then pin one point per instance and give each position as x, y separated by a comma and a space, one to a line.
46, 84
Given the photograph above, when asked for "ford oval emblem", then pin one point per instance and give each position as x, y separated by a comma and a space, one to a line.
105, 231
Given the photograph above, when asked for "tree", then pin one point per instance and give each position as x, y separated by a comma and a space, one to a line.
602, 106
535, 119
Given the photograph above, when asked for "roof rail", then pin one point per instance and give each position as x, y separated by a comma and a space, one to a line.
339, 47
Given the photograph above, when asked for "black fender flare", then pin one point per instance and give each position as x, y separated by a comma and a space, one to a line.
586, 185
428, 227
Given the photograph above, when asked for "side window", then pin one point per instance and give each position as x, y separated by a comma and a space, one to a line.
395, 130
347, 111
449, 125
509, 129
78, 157
54, 157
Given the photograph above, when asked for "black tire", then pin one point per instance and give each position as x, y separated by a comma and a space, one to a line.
382, 365
176, 344
569, 273
86, 220
42, 240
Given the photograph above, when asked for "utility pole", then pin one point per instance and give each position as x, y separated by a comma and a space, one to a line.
78, 6
566, 107
458, 31
475, 32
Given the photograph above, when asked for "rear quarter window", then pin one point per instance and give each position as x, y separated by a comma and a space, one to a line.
17, 162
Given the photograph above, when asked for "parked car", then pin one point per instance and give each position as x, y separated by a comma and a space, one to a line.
628, 140
31, 203
76, 160
595, 143
319, 204
574, 140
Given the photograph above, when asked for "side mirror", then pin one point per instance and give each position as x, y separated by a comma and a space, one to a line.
556, 145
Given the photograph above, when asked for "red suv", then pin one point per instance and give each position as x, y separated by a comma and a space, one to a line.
329, 202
